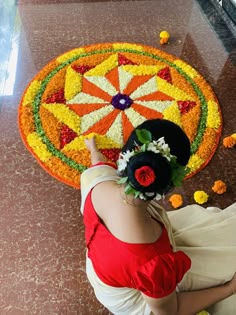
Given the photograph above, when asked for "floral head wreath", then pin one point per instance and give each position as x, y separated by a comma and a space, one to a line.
145, 175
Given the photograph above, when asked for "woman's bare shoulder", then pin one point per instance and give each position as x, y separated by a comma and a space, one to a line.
105, 196
124, 221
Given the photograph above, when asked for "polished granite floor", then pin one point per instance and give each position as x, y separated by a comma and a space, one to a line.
42, 249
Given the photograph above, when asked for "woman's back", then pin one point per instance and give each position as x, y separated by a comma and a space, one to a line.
127, 221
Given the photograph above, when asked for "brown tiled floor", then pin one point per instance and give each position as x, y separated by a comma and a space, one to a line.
42, 249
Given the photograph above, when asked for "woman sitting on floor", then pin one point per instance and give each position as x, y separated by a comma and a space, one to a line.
140, 259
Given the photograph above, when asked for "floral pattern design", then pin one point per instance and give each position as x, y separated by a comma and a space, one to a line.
107, 90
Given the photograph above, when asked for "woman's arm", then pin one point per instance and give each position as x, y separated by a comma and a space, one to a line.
96, 155
190, 303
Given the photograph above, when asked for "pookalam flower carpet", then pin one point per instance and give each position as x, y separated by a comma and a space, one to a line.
107, 90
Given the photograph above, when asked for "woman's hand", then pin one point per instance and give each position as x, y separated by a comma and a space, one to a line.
96, 155
91, 144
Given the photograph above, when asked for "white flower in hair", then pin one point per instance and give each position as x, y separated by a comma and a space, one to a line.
124, 159
122, 164
127, 155
161, 141
152, 146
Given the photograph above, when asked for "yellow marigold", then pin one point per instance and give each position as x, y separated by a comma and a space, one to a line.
213, 117
229, 142
103, 142
70, 54
219, 187
203, 313
176, 200
171, 90
200, 196
104, 67
172, 113
234, 136
127, 46
142, 69
164, 34
31, 92
72, 89
64, 115
39, 148
187, 68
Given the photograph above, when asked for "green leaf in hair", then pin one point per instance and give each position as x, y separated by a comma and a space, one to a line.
144, 136
122, 180
178, 173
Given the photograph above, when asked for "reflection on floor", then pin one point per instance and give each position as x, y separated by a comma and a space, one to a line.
42, 249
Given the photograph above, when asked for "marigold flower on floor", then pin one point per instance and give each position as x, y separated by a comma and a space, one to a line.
219, 187
200, 196
164, 37
229, 142
176, 201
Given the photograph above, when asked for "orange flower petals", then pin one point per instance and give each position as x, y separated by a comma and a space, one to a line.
27, 120
63, 172
56, 83
51, 126
219, 187
229, 142
179, 81
46, 70
92, 89
104, 123
81, 156
176, 201
206, 89
190, 122
147, 112
98, 47
135, 83
208, 142
164, 40
127, 127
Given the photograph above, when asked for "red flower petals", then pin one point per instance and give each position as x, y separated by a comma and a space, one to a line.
81, 69
111, 154
165, 75
185, 106
145, 175
58, 97
67, 135
122, 60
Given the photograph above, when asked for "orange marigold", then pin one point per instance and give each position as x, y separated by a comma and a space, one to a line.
164, 40
229, 142
176, 200
219, 187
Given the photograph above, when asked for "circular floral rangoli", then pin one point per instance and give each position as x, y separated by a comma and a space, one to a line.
107, 90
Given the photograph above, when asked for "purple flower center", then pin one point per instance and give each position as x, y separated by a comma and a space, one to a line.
121, 101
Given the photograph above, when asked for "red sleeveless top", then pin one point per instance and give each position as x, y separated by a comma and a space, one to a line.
152, 268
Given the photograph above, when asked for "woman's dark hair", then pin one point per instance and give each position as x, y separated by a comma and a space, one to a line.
179, 146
